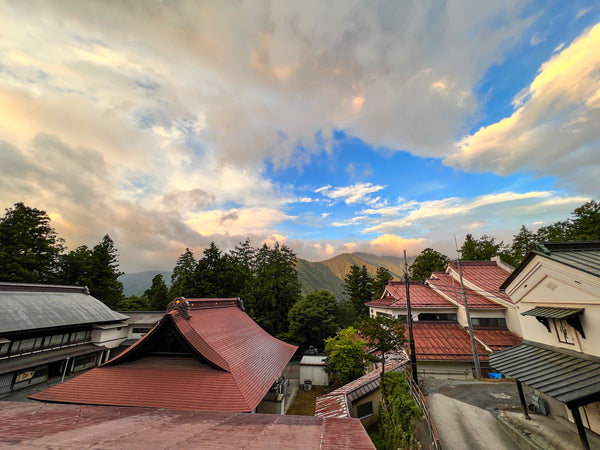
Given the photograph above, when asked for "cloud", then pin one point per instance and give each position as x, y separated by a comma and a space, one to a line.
236, 222
554, 129
356, 193
391, 244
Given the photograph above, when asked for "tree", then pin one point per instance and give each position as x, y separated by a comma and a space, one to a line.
29, 246
158, 294
428, 261
482, 249
384, 335
76, 267
586, 222
182, 278
358, 284
346, 359
104, 273
312, 319
382, 278
397, 420
521, 244
133, 303
275, 288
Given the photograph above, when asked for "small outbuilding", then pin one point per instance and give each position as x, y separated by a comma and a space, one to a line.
312, 370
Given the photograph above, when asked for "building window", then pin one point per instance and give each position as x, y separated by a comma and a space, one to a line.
441, 317
364, 410
380, 314
563, 333
490, 322
140, 330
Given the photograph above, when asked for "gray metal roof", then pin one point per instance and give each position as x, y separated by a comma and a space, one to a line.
29, 307
569, 377
553, 313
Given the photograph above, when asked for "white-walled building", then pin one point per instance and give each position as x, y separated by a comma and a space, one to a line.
557, 294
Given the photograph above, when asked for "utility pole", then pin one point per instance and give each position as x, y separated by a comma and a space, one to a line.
411, 341
469, 323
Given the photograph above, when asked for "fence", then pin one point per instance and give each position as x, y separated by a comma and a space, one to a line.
421, 401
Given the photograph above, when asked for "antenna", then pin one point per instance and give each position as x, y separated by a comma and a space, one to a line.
469, 322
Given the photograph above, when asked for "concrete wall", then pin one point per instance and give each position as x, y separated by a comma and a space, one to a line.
316, 374
445, 369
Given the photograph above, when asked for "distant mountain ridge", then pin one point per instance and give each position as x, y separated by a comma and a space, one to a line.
313, 276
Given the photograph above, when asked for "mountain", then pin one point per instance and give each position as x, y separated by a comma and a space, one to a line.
136, 283
313, 276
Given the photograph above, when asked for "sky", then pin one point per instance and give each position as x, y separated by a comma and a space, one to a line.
330, 127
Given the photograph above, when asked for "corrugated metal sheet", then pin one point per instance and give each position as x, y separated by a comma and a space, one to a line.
421, 296
568, 377
497, 339
554, 313
244, 363
49, 307
37, 425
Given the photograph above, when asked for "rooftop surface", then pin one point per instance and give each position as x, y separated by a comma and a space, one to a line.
451, 288
44, 425
338, 403
487, 276
32, 307
444, 342
421, 296
496, 339
221, 361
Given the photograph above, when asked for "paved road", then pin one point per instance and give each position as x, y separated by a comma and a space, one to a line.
464, 426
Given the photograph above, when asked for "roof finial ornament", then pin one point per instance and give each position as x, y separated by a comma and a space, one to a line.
182, 305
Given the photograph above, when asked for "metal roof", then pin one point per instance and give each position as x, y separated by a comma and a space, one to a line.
45, 425
30, 307
487, 276
552, 313
444, 342
569, 377
580, 255
231, 366
451, 288
338, 403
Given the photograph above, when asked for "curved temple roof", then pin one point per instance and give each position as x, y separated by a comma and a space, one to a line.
230, 365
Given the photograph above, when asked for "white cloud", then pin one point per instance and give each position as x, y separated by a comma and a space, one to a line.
356, 193
554, 129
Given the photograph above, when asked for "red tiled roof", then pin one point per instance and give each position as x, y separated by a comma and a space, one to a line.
451, 288
338, 403
421, 296
444, 342
233, 364
486, 275
497, 339
44, 425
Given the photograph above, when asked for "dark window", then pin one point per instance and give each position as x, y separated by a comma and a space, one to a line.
140, 330
364, 410
444, 317
492, 322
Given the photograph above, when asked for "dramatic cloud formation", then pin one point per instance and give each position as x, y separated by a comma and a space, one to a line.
171, 126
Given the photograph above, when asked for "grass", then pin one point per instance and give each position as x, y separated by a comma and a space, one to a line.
304, 403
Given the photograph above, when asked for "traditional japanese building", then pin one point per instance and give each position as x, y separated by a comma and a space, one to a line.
203, 355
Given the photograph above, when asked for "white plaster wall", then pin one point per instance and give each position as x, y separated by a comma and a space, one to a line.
110, 338
316, 374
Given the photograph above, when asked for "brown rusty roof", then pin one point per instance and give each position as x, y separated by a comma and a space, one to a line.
338, 403
450, 287
444, 342
496, 339
45, 425
231, 365
421, 296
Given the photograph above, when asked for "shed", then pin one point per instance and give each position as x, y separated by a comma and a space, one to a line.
312, 368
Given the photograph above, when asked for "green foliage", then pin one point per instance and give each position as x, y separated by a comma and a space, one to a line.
346, 360
382, 278
158, 294
29, 246
397, 416
384, 335
481, 249
133, 303
428, 261
104, 273
358, 284
183, 276
313, 319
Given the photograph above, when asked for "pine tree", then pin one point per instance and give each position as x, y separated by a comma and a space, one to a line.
358, 284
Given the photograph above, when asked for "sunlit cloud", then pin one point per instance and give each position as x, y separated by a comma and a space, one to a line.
391, 244
357, 193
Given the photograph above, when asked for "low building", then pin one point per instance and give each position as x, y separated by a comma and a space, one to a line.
208, 355
51, 331
358, 399
557, 292
440, 326
312, 371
